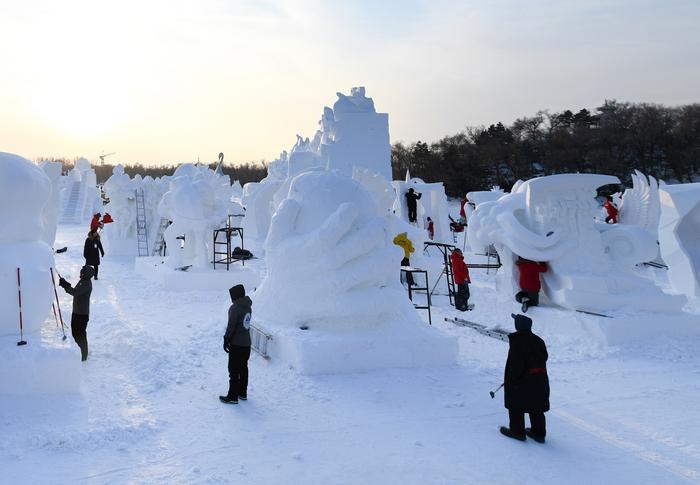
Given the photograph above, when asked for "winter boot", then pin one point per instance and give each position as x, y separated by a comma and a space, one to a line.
243, 397
505, 431
536, 437
524, 301
228, 400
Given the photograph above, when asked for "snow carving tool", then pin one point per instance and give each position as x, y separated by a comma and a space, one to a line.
21, 325
493, 393
55, 293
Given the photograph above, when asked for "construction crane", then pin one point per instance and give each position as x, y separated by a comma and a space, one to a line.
103, 156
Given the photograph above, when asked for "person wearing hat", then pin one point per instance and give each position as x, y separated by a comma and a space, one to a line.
92, 251
412, 203
461, 279
526, 385
237, 345
81, 308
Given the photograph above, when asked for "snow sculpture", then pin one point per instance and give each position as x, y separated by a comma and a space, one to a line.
302, 157
551, 219
433, 204
679, 236
81, 198
52, 208
354, 134
640, 205
195, 211
332, 268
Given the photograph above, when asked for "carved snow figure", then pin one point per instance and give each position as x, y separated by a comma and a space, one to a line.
640, 205
81, 198
122, 205
679, 236
332, 269
53, 208
302, 157
550, 219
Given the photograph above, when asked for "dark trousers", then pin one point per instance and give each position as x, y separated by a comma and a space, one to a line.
533, 297
238, 371
462, 297
409, 276
78, 328
97, 268
412, 213
537, 423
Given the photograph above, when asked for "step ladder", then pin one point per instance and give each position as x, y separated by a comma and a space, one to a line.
159, 244
447, 271
141, 230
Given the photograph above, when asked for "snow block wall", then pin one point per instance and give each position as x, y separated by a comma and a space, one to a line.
679, 236
333, 270
53, 207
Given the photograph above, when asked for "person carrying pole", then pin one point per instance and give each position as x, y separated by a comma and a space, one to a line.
81, 308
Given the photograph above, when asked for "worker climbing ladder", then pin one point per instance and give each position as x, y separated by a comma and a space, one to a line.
141, 230
159, 243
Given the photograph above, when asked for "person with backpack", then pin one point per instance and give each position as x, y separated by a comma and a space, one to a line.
92, 251
237, 345
461, 279
529, 294
81, 308
526, 384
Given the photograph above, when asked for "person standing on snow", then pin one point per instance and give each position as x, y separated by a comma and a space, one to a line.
431, 229
412, 204
525, 384
402, 241
611, 210
462, 280
81, 308
237, 345
529, 294
92, 251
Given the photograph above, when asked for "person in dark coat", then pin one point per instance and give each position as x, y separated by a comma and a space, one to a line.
237, 345
92, 251
529, 294
412, 203
461, 279
81, 308
526, 385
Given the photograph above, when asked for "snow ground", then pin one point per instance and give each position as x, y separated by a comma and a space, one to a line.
149, 411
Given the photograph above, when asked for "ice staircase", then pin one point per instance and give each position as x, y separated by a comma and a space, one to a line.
70, 208
159, 243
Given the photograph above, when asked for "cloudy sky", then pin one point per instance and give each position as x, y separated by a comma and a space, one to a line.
177, 80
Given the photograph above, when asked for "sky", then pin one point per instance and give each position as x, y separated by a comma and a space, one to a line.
169, 81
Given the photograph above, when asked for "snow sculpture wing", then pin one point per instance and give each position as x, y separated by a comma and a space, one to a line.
640, 205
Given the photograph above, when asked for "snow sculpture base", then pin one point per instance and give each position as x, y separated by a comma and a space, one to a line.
359, 349
37, 368
154, 269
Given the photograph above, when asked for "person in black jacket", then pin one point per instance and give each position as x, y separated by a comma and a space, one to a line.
237, 345
412, 204
81, 308
526, 385
92, 251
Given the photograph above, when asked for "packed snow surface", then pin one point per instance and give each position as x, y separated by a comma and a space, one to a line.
149, 411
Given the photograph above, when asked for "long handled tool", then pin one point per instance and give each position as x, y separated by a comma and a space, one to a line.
63, 326
21, 323
493, 393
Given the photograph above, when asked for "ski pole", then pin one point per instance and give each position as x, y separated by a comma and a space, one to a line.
55, 316
493, 393
21, 326
53, 280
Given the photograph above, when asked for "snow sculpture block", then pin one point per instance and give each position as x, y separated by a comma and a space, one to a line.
333, 268
24, 191
53, 206
302, 158
551, 219
679, 236
356, 135
433, 204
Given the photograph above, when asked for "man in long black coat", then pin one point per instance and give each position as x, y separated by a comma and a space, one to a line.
526, 385
412, 204
92, 251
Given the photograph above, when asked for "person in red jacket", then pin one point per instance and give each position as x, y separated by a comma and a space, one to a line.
611, 210
462, 212
431, 229
529, 294
462, 280
95, 224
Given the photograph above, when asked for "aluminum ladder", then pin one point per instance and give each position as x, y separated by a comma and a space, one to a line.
141, 229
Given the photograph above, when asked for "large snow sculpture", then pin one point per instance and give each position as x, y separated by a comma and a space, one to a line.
81, 198
24, 191
679, 236
53, 207
551, 219
333, 269
640, 205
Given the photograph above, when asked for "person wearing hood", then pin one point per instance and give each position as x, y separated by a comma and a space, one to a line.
92, 251
81, 308
237, 345
525, 384
412, 203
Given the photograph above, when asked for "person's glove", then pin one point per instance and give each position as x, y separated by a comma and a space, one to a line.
227, 345
62, 283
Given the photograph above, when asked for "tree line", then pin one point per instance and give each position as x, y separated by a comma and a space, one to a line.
615, 139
